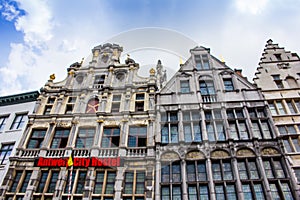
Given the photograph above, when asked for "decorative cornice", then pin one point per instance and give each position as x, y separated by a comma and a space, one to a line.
19, 98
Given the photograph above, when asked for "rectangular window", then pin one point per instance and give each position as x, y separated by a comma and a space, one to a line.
184, 86
85, 138
247, 191
222, 170
19, 121
228, 84
291, 107
273, 169
207, 87
280, 108
171, 173
60, 138
139, 102
52, 181
192, 127
80, 182
5, 152
25, 181
48, 109
196, 171
134, 185
116, 102
247, 170
281, 191
36, 139
169, 131
70, 105
287, 129
205, 62
104, 184
16, 181
165, 193
198, 62
192, 192
42, 182
99, 81
137, 136
220, 194
3, 120
111, 137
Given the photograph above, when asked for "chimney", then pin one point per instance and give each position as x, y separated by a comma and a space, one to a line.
239, 72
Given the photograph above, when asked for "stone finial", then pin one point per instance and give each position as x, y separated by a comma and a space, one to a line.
270, 41
52, 77
152, 72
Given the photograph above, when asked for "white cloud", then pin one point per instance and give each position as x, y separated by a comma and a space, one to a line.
50, 44
251, 6
37, 24
9, 11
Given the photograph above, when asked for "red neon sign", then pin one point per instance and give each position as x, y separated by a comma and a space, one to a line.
79, 162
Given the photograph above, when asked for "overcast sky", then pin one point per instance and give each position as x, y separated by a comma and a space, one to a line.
38, 38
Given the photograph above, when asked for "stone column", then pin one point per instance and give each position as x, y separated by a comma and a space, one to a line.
157, 179
203, 125
180, 126
31, 187
264, 176
118, 184
211, 180
47, 138
183, 177
238, 181
59, 103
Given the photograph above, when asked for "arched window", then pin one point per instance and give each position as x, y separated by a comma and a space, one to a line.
92, 105
292, 82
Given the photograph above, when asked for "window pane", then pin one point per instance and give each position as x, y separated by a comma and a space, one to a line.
204, 194
259, 193
176, 193
187, 133
227, 171
192, 191
242, 170
231, 193
165, 193
219, 192
253, 170
247, 192
202, 172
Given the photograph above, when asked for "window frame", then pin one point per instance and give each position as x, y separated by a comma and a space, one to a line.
169, 127
89, 134
185, 86
5, 152
3, 121
139, 136
19, 121
39, 138
110, 136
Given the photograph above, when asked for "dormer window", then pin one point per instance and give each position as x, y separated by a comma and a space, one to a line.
202, 62
184, 86
228, 84
278, 81
278, 56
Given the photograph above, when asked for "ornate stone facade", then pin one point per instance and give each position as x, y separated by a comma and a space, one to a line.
106, 133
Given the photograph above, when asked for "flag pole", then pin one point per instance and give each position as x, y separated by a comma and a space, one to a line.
70, 182
70, 164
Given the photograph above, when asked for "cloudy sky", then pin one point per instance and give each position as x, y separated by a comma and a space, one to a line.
38, 38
